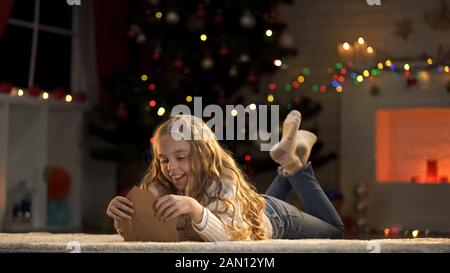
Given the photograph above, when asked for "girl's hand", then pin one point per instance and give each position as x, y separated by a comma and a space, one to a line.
171, 206
120, 208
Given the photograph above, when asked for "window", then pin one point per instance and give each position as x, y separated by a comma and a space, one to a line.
36, 47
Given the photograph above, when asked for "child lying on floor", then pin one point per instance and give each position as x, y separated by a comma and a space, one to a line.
199, 181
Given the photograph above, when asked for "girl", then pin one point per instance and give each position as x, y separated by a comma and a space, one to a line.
200, 183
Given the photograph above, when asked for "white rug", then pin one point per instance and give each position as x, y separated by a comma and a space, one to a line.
47, 242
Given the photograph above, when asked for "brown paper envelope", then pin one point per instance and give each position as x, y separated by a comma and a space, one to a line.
144, 226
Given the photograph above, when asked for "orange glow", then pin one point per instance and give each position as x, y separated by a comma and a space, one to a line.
413, 145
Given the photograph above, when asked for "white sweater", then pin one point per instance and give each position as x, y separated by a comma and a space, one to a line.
211, 228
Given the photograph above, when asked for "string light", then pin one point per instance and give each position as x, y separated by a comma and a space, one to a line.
429, 61
380, 66
269, 33
361, 40
370, 50
248, 157
277, 62
339, 88
188, 98
234, 112
68, 98
301, 79
446, 69
144, 77
252, 106
270, 98
161, 111
366, 73
203, 37
388, 63
152, 103
20, 93
152, 86
346, 46
45, 95
360, 78
386, 232
158, 15
406, 67
415, 233
272, 86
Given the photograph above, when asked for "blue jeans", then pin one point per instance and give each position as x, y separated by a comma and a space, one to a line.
319, 220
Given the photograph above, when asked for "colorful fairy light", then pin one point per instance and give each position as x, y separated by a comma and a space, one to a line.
252, 106
248, 157
272, 86
388, 63
269, 32
161, 111
234, 112
189, 98
429, 61
301, 79
406, 67
339, 88
152, 86
277, 62
346, 46
68, 98
152, 103
203, 37
361, 40
370, 50
366, 73
144, 77
20, 93
380, 66
270, 98
45, 95
158, 15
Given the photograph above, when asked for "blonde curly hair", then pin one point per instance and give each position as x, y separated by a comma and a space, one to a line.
210, 163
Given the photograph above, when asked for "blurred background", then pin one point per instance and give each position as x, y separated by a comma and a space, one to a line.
83, 84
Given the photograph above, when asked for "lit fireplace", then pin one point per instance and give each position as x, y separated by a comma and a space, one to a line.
413, 145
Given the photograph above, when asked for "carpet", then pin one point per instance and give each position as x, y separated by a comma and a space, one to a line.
48, 242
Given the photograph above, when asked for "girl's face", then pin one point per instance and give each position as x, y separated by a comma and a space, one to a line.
173, 156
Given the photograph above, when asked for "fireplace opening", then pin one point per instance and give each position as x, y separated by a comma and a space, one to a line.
413, 145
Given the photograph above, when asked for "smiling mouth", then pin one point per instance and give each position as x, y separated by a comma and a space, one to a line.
176, 178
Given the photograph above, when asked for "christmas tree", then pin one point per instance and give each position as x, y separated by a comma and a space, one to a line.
184, 49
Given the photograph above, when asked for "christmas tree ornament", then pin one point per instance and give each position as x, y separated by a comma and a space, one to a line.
200, 13
141, 39
172, 17
122, 112
34, 91
224, 50
248, 21
58, 93
207, 63
218, 17
244, 58
233, 71
251, 77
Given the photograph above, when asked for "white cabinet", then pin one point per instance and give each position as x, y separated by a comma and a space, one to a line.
40, 143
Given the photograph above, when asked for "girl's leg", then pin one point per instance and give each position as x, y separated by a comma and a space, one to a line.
280, 187
315, 202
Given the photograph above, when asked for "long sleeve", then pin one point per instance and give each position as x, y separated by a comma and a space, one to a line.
211, 229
